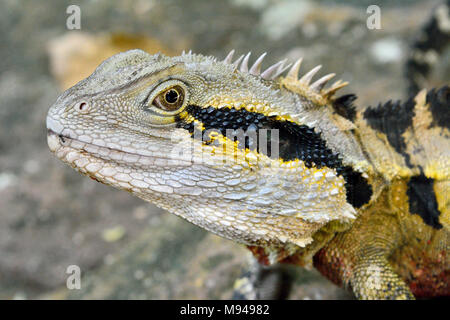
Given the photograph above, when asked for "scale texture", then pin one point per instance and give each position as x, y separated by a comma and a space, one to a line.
277, 162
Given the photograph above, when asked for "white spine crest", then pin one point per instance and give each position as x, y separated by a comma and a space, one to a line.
277, 69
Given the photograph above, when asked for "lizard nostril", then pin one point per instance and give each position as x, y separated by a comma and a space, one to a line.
62, 139
82, 107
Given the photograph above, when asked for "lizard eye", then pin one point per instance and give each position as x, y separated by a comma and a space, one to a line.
170, 99
167, 102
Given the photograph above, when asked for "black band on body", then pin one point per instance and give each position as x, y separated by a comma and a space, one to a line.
344, 107
392, 119
439, 102
422, 200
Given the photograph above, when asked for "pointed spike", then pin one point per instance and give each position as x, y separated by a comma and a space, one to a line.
335, 87
319, 84
306, 79
343, 84
183, 53
267, 74
229, 58
282, 64
244, 64
256, 68
282, 68
293, 73
348, 214
237, 62
190, 52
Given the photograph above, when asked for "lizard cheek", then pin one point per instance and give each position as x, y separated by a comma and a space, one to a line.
82, 107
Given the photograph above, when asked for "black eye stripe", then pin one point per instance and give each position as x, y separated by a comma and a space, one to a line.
295, 142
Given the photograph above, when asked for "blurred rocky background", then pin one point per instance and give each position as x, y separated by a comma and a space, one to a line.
52, 217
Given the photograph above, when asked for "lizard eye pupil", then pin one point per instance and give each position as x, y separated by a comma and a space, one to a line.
170, 99
171, 96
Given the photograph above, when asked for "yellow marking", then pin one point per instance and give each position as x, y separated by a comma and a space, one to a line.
199, 125
442, 192
182, 115
428, 145
438, 170
251, 105
384, 157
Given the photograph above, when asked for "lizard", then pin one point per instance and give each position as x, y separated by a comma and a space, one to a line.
274, 161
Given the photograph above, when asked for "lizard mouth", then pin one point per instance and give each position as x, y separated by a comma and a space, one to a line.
53, 134
77, 152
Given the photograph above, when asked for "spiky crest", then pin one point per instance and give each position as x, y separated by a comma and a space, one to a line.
314, 92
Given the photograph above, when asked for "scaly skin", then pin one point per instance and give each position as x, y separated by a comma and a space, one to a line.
366, 205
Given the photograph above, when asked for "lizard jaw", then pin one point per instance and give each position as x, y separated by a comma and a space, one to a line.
64, 148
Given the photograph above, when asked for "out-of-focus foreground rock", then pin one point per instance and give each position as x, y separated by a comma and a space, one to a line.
51, 217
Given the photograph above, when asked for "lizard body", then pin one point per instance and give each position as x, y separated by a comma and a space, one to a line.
277, 163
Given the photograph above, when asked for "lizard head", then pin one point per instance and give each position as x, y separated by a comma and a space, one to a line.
230, 148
